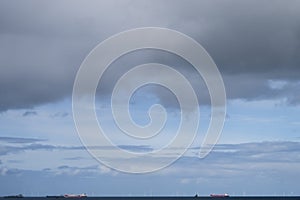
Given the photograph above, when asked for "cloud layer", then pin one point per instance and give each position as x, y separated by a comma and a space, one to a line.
275, 164
43, 43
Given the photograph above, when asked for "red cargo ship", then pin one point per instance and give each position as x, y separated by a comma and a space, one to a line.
75, 195
219, 195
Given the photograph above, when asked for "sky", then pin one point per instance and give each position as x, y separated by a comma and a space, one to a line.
255, 45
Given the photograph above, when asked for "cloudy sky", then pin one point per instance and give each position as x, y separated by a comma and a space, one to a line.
254, 43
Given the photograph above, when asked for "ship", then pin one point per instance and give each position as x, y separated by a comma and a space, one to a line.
14, 196
55, 196
219, 195
75, 195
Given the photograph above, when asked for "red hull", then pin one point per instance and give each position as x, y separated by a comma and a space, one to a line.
219, 195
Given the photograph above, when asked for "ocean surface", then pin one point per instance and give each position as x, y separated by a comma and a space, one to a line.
166, 198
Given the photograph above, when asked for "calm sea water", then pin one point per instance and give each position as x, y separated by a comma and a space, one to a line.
163, 198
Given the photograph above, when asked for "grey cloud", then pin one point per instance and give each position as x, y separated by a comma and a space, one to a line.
256, 152
4, 150
89, 170
260, 163
7, 149
19, 140
257, 87
25, 144
29, 113
252, 37
43, 43
74, 158
135, 148
60, 114
262, 160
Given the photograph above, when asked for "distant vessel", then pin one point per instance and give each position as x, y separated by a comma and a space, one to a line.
55, 196
75, 195
15, 196
219, 195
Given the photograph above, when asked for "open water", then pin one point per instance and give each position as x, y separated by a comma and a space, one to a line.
165, 198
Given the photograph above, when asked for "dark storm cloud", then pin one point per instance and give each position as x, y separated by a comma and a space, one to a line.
256, 37
43, 43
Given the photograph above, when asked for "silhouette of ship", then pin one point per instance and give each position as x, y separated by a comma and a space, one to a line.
219, 195
75, 195
14, 196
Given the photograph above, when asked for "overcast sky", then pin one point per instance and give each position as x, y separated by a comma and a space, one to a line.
254, 43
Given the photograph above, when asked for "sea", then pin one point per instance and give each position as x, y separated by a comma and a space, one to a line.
166, 198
